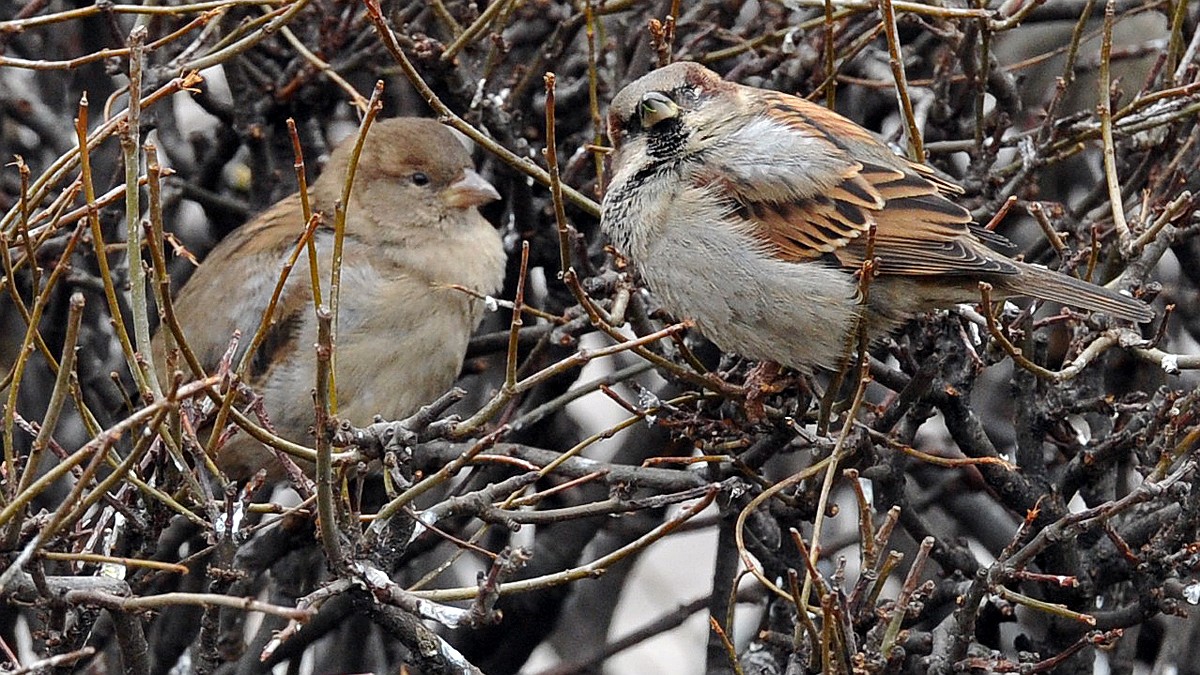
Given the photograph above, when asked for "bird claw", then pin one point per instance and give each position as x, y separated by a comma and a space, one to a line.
762, 381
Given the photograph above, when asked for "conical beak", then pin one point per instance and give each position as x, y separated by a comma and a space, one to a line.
656, 107
469, 190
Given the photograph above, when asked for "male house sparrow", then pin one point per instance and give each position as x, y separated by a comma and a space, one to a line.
412, 230
748, 211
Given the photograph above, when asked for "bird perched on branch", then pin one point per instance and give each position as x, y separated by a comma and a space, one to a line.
749, 212
412, 232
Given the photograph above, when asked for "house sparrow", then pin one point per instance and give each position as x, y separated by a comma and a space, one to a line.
748, 212
412, 230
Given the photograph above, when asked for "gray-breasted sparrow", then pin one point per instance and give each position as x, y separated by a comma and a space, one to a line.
748, 212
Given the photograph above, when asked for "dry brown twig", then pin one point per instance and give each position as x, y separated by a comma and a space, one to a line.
1094, 401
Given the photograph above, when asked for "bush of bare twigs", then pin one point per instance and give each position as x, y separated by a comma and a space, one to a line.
1013, 491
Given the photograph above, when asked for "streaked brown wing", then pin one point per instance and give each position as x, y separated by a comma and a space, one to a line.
264, 242
919, 229
804, 229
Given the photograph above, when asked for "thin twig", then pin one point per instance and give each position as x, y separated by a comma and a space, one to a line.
1124, 236
448, 116
916, 147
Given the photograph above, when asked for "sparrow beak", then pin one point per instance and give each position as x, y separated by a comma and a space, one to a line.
656, 107
469, 190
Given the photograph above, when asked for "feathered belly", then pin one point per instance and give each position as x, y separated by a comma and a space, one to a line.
797, 315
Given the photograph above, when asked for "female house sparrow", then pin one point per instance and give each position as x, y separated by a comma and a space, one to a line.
412, 230
748, 211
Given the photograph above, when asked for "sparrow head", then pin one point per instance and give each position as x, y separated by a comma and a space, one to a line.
672, 113
409, 167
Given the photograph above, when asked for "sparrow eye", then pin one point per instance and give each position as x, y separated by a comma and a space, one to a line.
656, 107
420, 179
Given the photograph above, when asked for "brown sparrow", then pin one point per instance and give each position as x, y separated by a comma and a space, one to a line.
412, 230
748, 212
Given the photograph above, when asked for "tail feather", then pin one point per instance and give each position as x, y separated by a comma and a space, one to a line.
1045, 284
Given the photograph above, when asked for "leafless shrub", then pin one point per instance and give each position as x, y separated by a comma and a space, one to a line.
1002, 489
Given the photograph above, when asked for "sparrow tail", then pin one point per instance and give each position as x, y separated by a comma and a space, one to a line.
1045, 284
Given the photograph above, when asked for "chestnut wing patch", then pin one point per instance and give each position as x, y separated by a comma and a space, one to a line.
919, 231
807, 229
